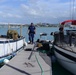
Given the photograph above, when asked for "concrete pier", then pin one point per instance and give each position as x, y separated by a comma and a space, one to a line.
21, 65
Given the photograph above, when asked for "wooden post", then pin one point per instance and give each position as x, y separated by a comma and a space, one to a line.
9, 26
20, 30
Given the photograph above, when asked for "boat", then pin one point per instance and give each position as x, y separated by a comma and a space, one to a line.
10, 44
65, 46
44, 45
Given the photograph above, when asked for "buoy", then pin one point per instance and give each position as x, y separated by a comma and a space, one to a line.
6, 61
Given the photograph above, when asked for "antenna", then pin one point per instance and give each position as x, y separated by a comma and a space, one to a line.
70, 10
73, 10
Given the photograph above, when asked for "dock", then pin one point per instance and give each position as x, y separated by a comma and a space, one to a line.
22, 65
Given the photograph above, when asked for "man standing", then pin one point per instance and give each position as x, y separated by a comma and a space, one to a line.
31, 32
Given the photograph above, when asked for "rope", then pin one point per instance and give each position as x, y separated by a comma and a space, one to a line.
10, 45
4, 47
11, 48
42, 72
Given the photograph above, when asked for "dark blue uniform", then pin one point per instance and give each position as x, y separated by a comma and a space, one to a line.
31, 33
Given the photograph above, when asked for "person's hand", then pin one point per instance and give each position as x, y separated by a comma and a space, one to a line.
28, 32
34, 32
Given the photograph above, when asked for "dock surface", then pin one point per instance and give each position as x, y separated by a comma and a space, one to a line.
21, 65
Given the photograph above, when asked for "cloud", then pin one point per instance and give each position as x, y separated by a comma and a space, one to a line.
35, 10
6, 15
29, 10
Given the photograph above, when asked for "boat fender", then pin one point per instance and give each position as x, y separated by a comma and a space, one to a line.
6, 61
25, 43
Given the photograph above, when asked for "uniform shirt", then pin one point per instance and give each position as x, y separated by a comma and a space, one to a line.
31, 29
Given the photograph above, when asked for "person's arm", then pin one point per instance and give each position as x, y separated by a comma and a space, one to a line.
35, 30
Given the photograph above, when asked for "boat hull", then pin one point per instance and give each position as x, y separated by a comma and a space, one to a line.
9, 47
66, 58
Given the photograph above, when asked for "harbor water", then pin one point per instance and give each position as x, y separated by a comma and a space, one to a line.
56, 67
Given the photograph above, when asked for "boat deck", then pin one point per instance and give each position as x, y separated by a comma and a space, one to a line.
21, 65
65, 43
67, 46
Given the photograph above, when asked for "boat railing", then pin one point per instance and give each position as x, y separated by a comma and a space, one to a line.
65, 41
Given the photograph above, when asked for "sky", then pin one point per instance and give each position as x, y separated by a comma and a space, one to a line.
36, 11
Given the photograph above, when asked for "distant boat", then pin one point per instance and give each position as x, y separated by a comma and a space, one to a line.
10, 44
65, 47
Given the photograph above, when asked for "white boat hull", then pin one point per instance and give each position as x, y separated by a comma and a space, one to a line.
66, 58
10, 46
